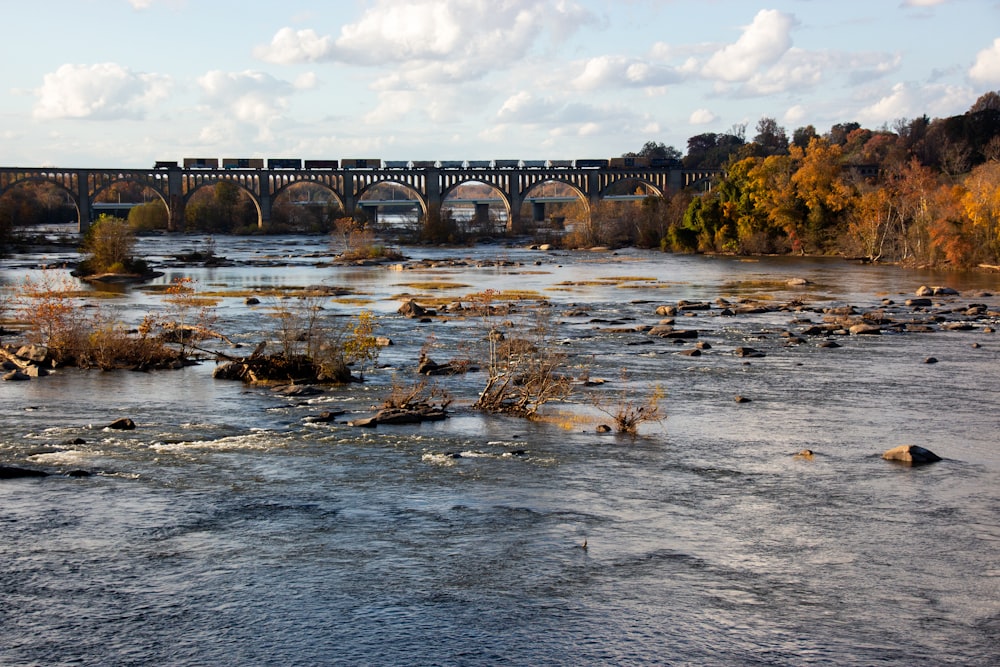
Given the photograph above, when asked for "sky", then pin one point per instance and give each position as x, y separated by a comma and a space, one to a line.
124, 83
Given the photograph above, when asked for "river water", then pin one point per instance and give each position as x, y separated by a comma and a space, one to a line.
228, 530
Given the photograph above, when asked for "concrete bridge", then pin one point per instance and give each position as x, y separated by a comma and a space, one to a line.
429, 187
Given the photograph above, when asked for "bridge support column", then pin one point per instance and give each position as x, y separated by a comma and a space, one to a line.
516, 201
175, 201
538, 211
370, 211
482, 213
265, 209
83, 197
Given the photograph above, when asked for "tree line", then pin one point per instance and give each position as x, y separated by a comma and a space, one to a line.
922, 191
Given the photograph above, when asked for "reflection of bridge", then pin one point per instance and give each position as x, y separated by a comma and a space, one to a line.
429, 187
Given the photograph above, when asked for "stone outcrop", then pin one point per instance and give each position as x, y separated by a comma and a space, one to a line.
413, 309
912, 455
13, 472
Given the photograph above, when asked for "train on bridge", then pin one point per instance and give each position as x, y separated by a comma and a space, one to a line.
364, 163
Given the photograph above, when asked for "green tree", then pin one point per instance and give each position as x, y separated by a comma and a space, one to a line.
109, 243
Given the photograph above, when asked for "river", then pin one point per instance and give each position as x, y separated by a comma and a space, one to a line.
228, 530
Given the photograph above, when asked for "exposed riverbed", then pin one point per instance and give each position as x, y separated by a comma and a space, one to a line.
226, 529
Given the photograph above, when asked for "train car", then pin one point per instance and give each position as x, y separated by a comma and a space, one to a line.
396, 164
628, 162
424, 164
201, 163
506, 164
665, 163
478, 164
242, 163
166, 164
591, 164
560, 164
284, 163
452, 164
322, 164
360, 163
533, 164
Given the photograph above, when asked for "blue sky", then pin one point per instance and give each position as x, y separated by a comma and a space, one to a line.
126, 82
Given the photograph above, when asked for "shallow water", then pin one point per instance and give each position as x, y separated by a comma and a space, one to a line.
226, 530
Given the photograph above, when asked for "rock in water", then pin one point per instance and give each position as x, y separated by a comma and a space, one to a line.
13, 472
123, 424
911, 455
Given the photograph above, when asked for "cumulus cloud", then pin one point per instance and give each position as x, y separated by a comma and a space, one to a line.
141, 4
290, 46
470, 37
908, 100
105, 91
923, 3
248, 98
762, 43
702, 117
986, 69
795, 114
619, 71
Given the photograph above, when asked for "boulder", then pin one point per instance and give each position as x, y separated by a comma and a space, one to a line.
34, 353
918, 303
666, 311
413, 309
865, 330
325, 417
298, 390
748, 352
693, 352
805, 455
251, 301
122, 424
603, 428
795, 282
16, 376
911, 455
924, 290
13, 472
741, 399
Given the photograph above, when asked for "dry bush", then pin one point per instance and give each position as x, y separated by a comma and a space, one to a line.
523, 373
628, 412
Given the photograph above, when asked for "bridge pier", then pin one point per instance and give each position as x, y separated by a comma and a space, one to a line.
370, 211
538, 211
83, 200
482, 213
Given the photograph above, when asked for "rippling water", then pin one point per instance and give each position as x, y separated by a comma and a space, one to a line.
227, 530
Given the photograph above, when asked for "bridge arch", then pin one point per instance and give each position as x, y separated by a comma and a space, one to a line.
372, 185
505, 201
202, 183
612, 189
9, 186
306, 205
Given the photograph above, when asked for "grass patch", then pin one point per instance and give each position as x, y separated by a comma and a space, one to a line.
434, 285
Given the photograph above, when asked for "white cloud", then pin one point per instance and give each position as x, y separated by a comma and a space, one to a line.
618, 71
795, 114
141, 4
762, 43
105, 91
702, 117
290, 46
908, 100
923, 3
470, 37
249, 98
986, 69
